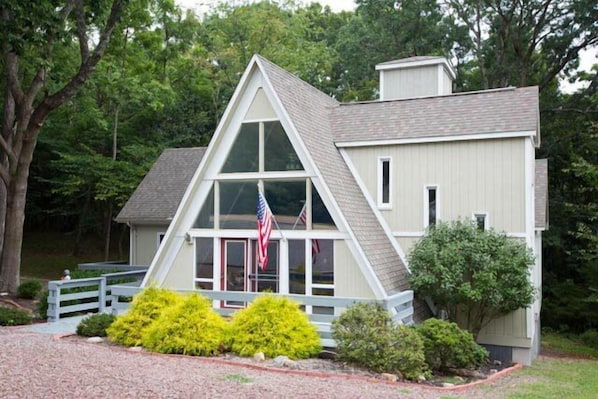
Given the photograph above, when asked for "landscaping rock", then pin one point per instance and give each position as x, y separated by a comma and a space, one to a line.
259, 357
389, 377
283, 361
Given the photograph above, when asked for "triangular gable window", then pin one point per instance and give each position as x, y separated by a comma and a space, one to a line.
260, 147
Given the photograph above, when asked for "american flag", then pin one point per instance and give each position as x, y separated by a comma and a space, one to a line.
264, 228
315, 245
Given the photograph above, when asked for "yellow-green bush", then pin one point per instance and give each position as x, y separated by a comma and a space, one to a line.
146, 307
275, 326
191, 327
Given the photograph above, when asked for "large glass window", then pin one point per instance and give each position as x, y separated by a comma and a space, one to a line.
244, 154
238, 203
321, 219
286, 200
279, 154
323, 272
204, 263
297, 266
205, 219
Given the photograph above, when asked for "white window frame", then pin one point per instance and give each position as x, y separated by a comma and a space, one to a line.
380, 183
427, 188
196, 279
474, 217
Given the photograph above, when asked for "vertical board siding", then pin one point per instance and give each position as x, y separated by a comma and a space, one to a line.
472, 176
146, 243
411, 82
260, 107
349, 281
180, 274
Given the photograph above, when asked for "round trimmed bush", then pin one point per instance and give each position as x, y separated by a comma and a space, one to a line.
29, 289
95, 325
448, 346
146, 307
275, 326
590, 338
366, 336
191, 327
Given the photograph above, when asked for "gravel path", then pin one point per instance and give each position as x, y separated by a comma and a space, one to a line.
40, 366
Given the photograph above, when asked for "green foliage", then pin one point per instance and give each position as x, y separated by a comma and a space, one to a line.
590, 338
366, 335
191, 327
146, 307
275, 326
29, 289
42, 305
448, 346
14, 317
95, 325
473, 275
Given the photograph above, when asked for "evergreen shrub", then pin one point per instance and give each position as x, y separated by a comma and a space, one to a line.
590, 338
42, 305
95, 325
29, 289
448, 346
146, 307
275, 326
366, 336
14, 317
191, 327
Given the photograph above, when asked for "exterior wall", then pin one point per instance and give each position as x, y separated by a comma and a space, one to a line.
145, 243
180, 275
348, 279
410, 82
472, 176
260, 107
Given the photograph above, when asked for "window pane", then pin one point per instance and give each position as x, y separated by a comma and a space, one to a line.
321, 219
265, 280
238, 203
323, 262
205, 219
297, 266
243, 155
286, 201
279, 153
385, 181
431, 206
204, 258
480, 220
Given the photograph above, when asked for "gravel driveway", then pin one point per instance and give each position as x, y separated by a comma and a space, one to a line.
40, 366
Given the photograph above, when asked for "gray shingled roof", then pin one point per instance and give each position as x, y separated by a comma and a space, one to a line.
309, 110
491, 111
157, 197
541, 189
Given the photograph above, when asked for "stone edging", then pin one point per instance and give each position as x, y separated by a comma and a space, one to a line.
323, 374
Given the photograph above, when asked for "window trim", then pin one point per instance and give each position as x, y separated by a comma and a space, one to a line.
426, 203
474, 218
380, 182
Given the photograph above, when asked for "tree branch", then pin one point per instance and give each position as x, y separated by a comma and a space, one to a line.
82, 31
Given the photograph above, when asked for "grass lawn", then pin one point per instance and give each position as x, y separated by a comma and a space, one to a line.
571, 377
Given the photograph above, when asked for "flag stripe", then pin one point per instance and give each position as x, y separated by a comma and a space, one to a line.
264, 228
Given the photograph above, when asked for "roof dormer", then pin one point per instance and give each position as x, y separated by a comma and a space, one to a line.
415, 77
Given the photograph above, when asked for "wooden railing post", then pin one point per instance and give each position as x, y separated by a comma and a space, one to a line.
53, 312
102, 295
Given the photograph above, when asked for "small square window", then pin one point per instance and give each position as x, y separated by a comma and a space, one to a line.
481, 220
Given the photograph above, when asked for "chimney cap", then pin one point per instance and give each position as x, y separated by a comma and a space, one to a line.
417, 61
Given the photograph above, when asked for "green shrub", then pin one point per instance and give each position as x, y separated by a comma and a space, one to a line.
42, 305
29, 289
474, 276
191, 327
448, 346
590, 338
95, 325
275, 326
146, 307
14, 317
366, 336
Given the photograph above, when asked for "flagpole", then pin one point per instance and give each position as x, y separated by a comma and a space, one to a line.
260, 189
299, 217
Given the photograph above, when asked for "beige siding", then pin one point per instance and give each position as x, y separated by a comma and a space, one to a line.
180, 274
348, 278
509, 330
411, 82
260, 108
472, 176
447, 82
407, 243
145, 243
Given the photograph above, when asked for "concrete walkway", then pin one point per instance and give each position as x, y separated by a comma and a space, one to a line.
68, 325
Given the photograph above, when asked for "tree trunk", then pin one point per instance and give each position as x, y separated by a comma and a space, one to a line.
108, 232
14, 221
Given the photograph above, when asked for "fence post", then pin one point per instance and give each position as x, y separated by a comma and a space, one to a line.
53, 312
102, 295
